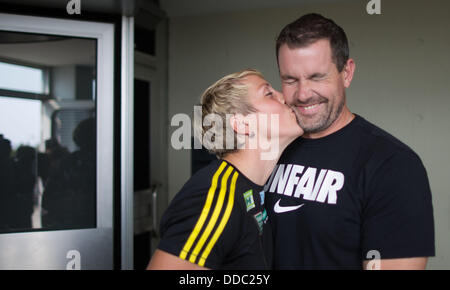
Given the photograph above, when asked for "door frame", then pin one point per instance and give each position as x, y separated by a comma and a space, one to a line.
95, 246
148, 72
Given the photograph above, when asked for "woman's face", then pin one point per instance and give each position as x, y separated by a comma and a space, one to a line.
270, 105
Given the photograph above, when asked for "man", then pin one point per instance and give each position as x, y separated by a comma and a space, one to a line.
346, 191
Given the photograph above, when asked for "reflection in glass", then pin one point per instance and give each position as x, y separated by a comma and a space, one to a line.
14, 125
47, 133
13, 76
69, 195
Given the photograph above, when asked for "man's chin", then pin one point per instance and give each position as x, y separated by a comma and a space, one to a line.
309, 131
311, 127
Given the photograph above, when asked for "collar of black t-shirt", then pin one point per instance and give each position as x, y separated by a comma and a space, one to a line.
333, 136
251, 183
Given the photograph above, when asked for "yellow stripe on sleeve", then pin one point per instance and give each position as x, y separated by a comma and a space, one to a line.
223, 222
204, 214
214, 217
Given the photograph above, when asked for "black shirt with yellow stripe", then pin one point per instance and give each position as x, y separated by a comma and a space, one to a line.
218, 221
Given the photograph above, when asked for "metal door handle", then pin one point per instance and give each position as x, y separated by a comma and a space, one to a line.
154, 231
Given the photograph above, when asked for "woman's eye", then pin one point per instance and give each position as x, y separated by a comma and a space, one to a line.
270, 94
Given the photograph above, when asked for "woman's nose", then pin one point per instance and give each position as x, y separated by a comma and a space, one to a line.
280, 97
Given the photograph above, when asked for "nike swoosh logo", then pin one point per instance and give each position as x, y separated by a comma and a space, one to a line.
280, 209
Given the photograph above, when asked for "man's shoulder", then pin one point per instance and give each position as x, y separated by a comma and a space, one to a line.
361, 141
379, 140
380, 150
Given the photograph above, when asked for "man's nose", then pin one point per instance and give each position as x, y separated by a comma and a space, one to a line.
303, 92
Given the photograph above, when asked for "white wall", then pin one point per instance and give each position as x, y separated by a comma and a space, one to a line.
401, 83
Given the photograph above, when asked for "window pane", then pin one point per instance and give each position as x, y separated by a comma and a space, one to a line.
64, 123
20, 121
48, 162
20, 134
21, 78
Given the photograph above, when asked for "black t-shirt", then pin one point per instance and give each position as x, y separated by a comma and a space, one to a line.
334, 199
218, 221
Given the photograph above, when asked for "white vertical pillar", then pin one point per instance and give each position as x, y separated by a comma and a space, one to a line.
127, 80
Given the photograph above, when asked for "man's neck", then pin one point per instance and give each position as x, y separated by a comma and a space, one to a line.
343, 120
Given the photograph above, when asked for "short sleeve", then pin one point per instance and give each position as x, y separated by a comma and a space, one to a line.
198, 228
398, 212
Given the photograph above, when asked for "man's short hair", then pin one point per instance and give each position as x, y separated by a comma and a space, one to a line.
312, 27
226, 97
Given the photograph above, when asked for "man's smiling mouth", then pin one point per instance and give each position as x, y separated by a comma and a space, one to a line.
311, 106
310, 109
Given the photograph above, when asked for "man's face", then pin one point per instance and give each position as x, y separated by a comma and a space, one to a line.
312, 85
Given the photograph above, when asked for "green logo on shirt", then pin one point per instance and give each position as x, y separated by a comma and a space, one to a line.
249, 201
260, 220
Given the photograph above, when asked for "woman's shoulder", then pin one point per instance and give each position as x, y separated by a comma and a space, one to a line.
219, 181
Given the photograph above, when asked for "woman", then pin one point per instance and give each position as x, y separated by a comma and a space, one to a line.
218, 220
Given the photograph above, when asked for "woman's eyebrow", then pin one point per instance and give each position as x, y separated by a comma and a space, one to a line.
264, 85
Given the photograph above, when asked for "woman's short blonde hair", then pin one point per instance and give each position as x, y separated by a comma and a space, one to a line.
224, 98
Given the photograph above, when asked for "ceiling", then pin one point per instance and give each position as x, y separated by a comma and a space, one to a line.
102, 6
59, 52
175, 8
80, 51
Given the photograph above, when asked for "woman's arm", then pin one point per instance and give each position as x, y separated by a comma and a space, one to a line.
419, 263
164, 261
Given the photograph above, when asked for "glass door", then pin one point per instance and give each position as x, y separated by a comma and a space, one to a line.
56, 143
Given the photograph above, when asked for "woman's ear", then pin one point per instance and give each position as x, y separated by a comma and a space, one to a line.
239, 124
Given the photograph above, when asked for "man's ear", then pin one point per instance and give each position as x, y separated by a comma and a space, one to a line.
348, 71
239, 124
